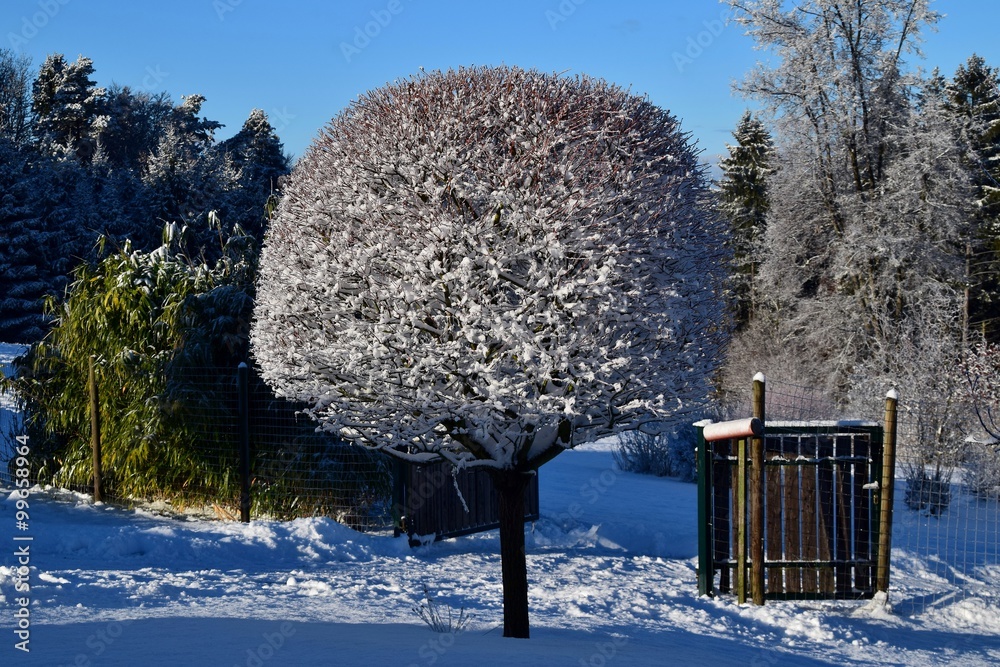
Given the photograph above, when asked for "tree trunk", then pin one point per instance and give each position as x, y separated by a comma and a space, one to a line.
510, 489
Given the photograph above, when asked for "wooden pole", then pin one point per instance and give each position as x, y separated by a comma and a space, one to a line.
95, 428
242, 384
886, 493
756, 489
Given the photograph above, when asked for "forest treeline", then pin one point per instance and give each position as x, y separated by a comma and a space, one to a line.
86, 170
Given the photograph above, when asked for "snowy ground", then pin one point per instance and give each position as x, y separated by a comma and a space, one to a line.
611, 566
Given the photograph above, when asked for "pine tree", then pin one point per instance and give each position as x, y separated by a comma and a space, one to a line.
66, 106
44, 232
744, 202
974, 94
187, 180
258, 157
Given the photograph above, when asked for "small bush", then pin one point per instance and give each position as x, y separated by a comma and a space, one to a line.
982, 472
438, 617
670, 454
927, 493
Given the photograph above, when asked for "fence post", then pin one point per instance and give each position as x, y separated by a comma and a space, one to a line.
706, 566
886, 492
243, 392
740, 520
95, 428
757, 496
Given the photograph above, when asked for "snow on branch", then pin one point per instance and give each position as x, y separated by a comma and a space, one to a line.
492, 264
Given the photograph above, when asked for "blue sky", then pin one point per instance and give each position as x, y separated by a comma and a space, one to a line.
302, 61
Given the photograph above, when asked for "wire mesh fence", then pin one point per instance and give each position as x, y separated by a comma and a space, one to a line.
946, 530
10, 416
182, 453
946, 525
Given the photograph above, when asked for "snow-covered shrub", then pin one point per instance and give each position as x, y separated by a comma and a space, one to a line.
670, 454
927, 492
489, 266
982, 471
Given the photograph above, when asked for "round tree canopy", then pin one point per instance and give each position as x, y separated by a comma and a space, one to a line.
488, 264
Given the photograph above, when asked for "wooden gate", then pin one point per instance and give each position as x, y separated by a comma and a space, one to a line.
820, 500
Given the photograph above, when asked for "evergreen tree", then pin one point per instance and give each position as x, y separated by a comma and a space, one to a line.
43, 234
744, 202
974, 95
258, 157
187, 181
66, 105
135, 123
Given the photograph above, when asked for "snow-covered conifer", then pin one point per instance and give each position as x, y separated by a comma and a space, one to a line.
66, 103
744, 201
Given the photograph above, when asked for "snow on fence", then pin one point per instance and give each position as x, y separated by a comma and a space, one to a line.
946, 506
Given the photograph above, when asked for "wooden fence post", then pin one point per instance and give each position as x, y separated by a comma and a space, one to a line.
95, 428
706, 566
243, 392
886, 493
757, 496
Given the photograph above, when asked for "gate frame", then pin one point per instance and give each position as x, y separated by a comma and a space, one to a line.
881, 474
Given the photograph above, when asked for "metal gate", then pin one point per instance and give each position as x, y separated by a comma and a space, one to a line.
820, 495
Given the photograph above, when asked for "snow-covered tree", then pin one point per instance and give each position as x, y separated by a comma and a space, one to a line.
744, 201
67, 105
188, 181
15, 97
872, 201
974, 94
135, 122
489, 266
259, 159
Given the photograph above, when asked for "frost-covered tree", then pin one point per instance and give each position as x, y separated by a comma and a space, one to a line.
135, 122
66, 106
187, 180
15, 97
872, 200
489, 266
974, 94
258, 157
744, 201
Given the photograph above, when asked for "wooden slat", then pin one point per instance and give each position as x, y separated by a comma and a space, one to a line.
773, 542
810, 514
862, 517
